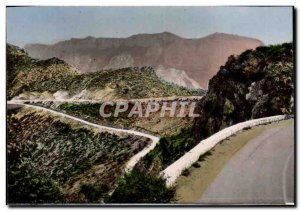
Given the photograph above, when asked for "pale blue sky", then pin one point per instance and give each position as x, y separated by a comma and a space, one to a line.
271, 25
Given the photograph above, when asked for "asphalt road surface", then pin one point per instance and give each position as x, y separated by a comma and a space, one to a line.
262, 172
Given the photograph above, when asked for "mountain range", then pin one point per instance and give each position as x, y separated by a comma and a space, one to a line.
186, 62
29, 78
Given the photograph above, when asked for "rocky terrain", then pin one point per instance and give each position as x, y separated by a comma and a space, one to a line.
54, 79
197, 60
258, 83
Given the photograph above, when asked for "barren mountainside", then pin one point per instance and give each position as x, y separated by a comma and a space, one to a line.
200, 58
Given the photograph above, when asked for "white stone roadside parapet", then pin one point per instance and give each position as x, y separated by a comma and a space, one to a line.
172, 172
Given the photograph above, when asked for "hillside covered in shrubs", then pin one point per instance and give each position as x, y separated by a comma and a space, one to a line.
51, 160
24, 72
40, 79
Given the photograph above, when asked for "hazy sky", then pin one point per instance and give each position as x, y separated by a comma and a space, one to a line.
51, 24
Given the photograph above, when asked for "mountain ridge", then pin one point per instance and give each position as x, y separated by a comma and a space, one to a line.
199, 58
142, 34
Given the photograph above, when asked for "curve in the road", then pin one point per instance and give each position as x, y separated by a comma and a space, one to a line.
261, 173
133, 161
173, 171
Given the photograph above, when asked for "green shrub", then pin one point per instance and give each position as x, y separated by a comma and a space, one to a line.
24, 187
93, 192
76, 170
196, 165
86, 109
185, 172
135, 187
172, 147
247, 128
204, 156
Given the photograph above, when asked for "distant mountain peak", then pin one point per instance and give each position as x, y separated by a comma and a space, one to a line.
89, 37
221, 35
85, 38
164, 34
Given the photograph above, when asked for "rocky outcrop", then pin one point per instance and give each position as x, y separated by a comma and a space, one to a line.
258, 83
178, 77
200, 58
61, 95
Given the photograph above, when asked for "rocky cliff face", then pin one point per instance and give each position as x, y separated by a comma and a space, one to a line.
199, 58
255, 84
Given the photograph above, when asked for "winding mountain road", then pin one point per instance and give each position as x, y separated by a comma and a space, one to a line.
262, 172
131, 163
113, 100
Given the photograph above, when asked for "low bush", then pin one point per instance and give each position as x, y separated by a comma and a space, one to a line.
170, 148
204, 156
185, 172
196, 165
136, 187
247, 128
93, 192
24, 187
